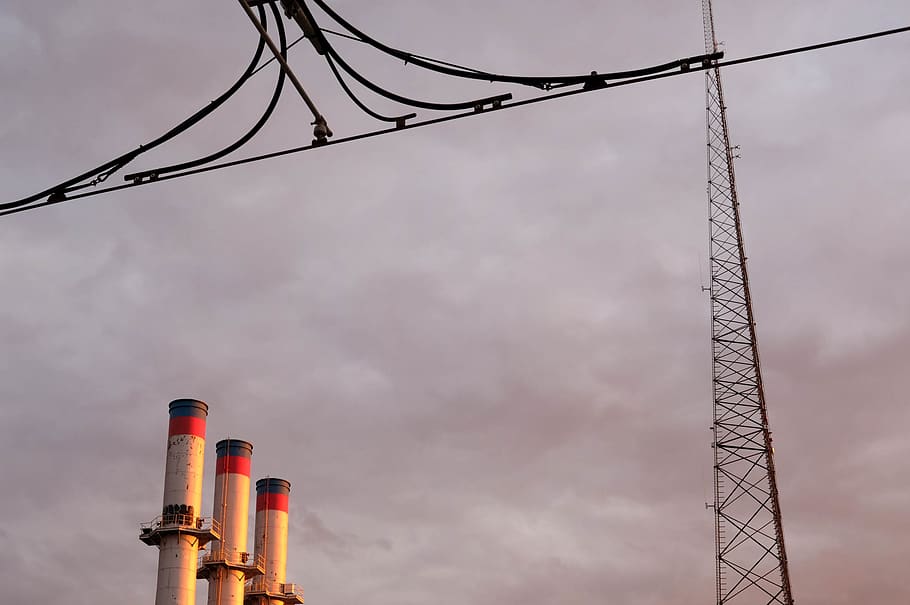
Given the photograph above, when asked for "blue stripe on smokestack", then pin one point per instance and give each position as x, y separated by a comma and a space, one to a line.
270, 485
234, 447
188, 407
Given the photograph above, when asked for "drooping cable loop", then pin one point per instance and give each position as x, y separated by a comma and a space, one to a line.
105, 170
543, 82
326, 30
343, 64
273, 102
331, 52
695, 64
361, 104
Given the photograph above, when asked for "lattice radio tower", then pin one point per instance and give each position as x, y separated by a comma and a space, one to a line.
751, 563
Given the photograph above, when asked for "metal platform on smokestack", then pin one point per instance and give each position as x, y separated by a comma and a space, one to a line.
259, 589
205, 530
238, 561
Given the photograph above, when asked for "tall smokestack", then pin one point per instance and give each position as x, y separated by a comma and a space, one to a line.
227, 564
179, 532
271, 543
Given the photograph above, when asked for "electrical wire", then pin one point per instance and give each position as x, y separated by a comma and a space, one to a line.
439, 61
271, 59
435, 106
822, 45
545, 83
359, 103
102, 172
331, 52
408, 57
453, 117
273, 102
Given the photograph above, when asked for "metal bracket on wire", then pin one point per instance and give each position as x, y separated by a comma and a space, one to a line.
321, 130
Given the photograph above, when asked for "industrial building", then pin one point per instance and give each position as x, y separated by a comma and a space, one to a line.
214, 548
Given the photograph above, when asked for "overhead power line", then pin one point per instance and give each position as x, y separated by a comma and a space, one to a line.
273, 102
542, 82
101, 173
13, 208
332, 55
332, 32
344, 86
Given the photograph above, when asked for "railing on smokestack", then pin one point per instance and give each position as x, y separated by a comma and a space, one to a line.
232, 557
179, 523
181, 520
270, 587
293, 589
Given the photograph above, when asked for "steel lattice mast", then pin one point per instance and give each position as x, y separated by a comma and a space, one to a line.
751, 561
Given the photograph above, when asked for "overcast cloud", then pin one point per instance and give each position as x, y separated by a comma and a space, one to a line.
478, 351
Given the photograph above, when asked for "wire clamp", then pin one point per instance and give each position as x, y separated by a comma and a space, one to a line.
321, 131
593, 82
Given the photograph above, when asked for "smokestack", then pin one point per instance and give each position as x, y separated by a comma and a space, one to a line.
271, 543
228, 564
179, 531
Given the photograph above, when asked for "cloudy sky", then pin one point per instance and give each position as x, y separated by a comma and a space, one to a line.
479, 351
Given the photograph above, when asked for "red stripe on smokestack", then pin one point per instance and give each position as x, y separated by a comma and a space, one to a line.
272, 502
186, 425
233, 464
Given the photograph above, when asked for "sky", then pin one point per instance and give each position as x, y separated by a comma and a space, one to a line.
479, 351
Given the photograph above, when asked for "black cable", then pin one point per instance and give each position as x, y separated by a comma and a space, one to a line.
811, 47
358, 102
356, 137
331, 52
283, 47
439, 61
105, 170
433, 64
536, 81
449, 118
407, 100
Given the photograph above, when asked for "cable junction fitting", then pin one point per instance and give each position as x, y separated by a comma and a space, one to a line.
321, 131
